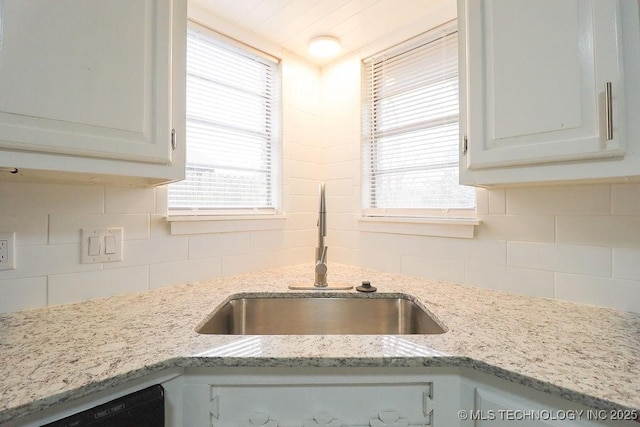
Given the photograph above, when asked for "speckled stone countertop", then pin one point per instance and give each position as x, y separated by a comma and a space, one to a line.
50, 355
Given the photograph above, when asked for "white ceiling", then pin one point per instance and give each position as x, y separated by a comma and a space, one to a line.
359, 24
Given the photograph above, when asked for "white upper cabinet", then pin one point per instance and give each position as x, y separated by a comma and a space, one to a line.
93, 87
542, 90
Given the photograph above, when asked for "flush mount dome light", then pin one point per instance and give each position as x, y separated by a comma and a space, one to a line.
324, 46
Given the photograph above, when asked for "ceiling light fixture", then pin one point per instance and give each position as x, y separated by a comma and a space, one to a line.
324, 46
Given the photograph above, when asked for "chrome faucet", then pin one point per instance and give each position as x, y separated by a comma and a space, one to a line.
321, 249
320, 268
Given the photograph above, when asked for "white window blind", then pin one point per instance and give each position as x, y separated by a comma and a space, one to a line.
410, 125
233, 127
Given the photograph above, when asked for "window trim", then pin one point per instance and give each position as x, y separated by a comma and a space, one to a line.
427, 214
212, 215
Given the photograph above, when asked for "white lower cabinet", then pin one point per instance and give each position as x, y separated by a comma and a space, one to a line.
369, 397
488, 401
337, 397
316, 397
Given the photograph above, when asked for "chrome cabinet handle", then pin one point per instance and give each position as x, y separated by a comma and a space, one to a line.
608, 110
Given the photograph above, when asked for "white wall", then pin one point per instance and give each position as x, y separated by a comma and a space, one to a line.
579, 243
576, 243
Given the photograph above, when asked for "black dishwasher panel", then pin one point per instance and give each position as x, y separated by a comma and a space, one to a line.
144, 408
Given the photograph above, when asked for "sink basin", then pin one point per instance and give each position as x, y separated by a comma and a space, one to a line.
288, 314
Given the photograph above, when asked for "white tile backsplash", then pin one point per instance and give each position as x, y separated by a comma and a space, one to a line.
589, 260
626, 263
560, 200
66, 228
612, 231
19, 294
608, 292
578, 243
129, 200
73, 287
29, 198
625, 199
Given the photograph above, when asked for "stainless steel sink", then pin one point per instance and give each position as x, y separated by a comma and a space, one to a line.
287, 314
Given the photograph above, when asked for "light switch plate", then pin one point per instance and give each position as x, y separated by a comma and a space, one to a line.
96, 241
7, 251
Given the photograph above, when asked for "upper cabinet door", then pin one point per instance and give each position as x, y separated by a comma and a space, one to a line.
543, 82
89, 78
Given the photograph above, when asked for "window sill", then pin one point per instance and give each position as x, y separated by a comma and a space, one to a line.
199, 224
441, 227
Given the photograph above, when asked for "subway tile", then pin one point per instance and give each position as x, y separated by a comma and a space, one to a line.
151, 251
605, 292
32, 261
527, 228
67, 228
341, 221
175, 273
19, 294
218, 244
251, 262
340, 187
347, 151
433, 268
625, 199
482, 201
159, 227
626, 263
472, 250
341, 238
265, 240
511, 279
301, 239
72, 287
345, 256
162, 200
563, 200
30, 229
381, 261
497, 201
396, 243
130, 200
304, 153
305, 221
304, 170
339, 170
28, 198
342, 204
612, 231
303, 187
588, 260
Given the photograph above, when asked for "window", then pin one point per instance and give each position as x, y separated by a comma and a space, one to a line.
410, 128
233, 128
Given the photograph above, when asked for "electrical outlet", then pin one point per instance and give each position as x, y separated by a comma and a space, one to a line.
7, 251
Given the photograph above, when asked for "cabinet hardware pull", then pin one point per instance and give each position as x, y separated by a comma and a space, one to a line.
464, 146
173, 140
608, 109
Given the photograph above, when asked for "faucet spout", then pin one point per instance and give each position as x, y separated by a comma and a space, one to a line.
321, 249
320, 268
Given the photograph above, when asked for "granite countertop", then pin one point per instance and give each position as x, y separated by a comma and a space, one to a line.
587, 354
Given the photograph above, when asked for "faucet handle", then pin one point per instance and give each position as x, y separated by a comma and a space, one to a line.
321, 268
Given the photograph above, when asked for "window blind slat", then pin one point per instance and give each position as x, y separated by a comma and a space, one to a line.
410, 125
233, 103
